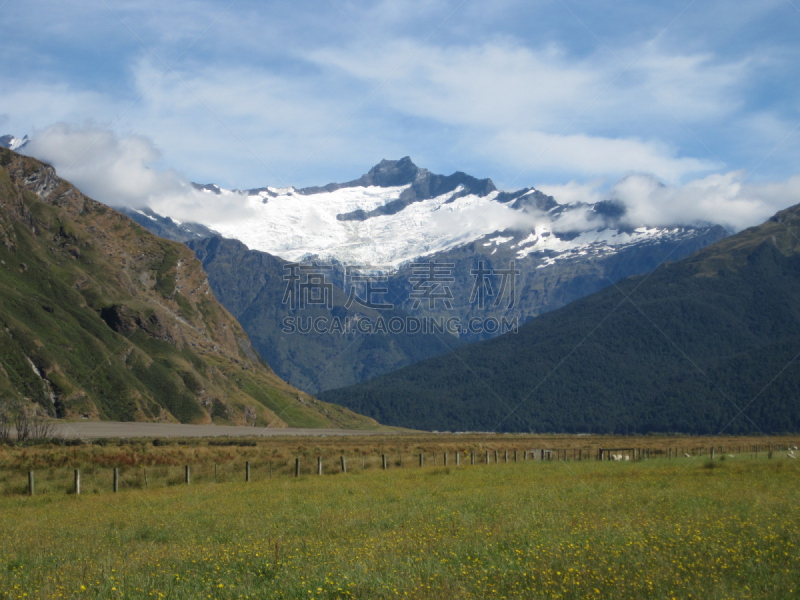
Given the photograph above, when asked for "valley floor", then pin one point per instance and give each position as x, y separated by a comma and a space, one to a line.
654, 528
114, 429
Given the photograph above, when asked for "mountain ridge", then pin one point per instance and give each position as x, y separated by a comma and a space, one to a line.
556, 264
102, 319
398, 213
704, 345
555, 268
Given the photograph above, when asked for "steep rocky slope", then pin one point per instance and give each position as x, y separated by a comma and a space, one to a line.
251, 285
101, 318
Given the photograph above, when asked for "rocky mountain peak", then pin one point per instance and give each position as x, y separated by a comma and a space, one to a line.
390, 173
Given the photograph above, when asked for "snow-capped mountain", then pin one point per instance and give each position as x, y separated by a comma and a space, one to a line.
398, 213
12, 143
390, 219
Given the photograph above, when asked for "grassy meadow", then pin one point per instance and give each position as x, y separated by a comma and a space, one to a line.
655, 528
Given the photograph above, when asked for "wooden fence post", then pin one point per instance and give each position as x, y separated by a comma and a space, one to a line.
506, 456
383, 458
145, 475
116, 480
297, 467
712, 452
77, 482
247, 471
187, 474
487, 457
458, 458
319, 465
344, 465
516, 456
30, 483
445, 459
421, 459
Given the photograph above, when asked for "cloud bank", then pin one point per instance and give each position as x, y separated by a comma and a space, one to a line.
723, 199
120, 171
272, 93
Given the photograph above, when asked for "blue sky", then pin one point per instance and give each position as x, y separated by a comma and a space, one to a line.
247, 94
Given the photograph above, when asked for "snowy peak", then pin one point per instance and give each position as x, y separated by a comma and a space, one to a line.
396, 213
371, 223
420, 184
387, 173
12, 143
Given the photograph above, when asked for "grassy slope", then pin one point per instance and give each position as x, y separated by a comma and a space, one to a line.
659, 529
696, 341
121, 324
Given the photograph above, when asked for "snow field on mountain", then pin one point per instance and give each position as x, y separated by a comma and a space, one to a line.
296, 227
300, 227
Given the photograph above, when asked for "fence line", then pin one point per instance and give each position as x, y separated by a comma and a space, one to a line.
711, 453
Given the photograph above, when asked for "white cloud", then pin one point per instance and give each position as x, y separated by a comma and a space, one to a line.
724, 199
573, 191
341, 108
113, 170
273, 94
592, 156
118, 171
504, 83
691, 87
499, 84
510, 101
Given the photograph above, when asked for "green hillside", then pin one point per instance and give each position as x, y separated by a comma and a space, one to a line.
703, 345
100, 318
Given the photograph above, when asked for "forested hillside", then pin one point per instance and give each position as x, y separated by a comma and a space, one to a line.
703, 345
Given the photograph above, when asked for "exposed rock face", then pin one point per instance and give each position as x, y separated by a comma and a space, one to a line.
251, 285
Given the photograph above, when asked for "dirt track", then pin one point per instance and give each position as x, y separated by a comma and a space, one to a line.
111, 429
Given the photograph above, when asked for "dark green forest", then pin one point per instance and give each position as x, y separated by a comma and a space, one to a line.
705, 345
